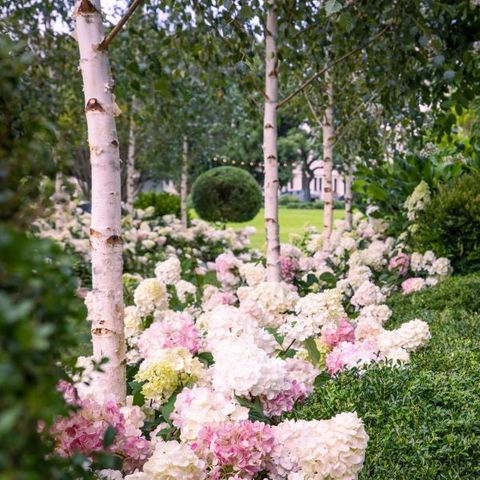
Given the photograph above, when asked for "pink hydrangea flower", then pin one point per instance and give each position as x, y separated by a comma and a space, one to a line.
226, 266
299, 383
413, 284
83, 432
180, 332
289, 268
349, 355
284, 401
231, 449
399, 263
332, 335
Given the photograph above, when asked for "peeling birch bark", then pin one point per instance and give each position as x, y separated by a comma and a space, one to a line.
348, 196
106, 301
132, 138
272, 233
327, 128
184, 183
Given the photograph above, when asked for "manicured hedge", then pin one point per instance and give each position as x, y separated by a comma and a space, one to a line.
423, 419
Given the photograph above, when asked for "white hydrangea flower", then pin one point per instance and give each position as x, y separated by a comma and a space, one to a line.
184, 288
367, 294
377, 313
268, 301
169, 271
253, 274
417, 201
226, 321
410, 336
171, 460
333, 449
197, 407
441, 267
150, 295
133, 321
241, 367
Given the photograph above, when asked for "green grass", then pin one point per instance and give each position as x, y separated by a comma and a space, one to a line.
423, 419
292, 221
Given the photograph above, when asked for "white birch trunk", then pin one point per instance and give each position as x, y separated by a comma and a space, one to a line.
348, 197
184, 183
106, 300
131, 157
327, 128
270, 147
59, 203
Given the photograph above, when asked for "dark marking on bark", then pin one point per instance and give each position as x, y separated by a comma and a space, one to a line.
94, 233
114, 240
102, 331
93, 105
273, 73
114, 143
271, 157
327, 190
270, 220
268, 125
86, 7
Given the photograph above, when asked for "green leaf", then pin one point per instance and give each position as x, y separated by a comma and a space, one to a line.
332, 6
312, 350
109, 436
206, 358
167, 409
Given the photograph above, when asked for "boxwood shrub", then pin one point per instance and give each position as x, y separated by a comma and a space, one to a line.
423, 419
450, 223
226, 194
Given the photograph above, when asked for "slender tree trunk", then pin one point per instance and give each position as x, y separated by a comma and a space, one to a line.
348, 196
132, 137
327, 128
270, 147
184, 183
59, 202
306, 194
106, 303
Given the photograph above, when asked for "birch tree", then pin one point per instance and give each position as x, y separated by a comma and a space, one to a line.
184, 182
272, 233
327, 128
132, 150
105, 303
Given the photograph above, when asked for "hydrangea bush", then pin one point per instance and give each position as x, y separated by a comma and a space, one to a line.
212, 369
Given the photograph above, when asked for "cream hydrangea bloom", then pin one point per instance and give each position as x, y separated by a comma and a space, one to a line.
165, 371
168, 271
253, 274
150, 295
171, 460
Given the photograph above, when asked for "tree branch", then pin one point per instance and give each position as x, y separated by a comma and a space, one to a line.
106, 41
332, 64
310, 106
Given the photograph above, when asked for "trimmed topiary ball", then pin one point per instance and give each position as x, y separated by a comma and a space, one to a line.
226, 194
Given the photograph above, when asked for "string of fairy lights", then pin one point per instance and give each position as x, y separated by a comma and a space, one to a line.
222, 160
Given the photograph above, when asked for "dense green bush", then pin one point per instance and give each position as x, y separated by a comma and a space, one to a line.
164, 203
423, 419
288, 199
226, 194
450, 224
39, 323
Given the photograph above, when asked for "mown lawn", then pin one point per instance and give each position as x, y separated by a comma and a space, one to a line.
292, 221
423, 419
